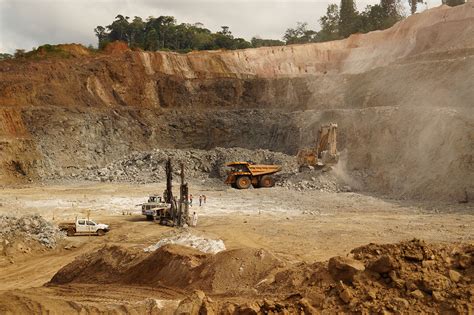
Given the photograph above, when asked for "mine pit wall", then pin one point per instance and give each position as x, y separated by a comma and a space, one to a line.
402, 99
18, 155
421, 153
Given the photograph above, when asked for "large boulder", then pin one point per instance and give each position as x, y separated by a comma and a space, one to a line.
344, 268
192, 304
383, 264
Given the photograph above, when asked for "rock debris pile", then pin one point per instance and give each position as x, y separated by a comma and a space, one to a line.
146, 167
406, 277
324, 180
26, 229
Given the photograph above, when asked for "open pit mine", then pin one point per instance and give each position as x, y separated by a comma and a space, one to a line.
86, 139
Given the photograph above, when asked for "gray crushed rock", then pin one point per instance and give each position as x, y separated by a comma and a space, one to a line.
146, 167
149, 167
29, 227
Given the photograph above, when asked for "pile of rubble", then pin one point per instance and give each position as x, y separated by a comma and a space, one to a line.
200, 243
28, 228
146, 167
401, 278
406, 277
149, 167
323, 180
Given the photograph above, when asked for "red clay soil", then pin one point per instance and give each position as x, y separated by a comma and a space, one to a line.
116, 47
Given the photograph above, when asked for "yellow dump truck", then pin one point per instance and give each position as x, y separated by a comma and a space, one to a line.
244, 174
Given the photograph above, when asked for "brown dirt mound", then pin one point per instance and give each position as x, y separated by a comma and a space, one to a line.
238, 270
76, 50
107, 265
410, 276
172, 266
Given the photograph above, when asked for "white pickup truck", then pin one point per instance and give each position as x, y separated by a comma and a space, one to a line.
84, 227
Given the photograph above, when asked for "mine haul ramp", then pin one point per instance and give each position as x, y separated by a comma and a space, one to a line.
244, 174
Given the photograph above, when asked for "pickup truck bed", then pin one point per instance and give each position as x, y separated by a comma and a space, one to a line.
64, 226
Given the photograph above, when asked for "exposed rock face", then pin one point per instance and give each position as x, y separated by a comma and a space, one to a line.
402, 98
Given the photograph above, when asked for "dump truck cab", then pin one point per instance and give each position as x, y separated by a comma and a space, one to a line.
243, 174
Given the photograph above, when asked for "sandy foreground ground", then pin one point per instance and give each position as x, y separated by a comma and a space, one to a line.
296, 226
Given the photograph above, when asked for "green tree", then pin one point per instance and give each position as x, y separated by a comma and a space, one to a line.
299, 35
256, 41
329, 24
453, 3
164, 25
349, 20
151, 40
4, 56
223, 41
164, 33
240, 43
119, 29
136, 33
225, 31
20, 53
102, 36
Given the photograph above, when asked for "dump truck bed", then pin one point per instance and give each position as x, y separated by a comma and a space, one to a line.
261, 169
254, 169
66, 225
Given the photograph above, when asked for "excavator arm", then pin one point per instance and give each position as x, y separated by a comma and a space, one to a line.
325, 150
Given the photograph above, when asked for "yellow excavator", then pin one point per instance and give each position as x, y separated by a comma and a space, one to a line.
325, 150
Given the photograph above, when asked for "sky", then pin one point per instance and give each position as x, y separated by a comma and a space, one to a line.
25, 24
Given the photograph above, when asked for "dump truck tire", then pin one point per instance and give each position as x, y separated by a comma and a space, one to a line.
100, 232
243, 182
149, 217
267, 181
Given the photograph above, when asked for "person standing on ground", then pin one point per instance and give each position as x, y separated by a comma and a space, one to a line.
200, 200
195, 219
190, 200
204, 198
